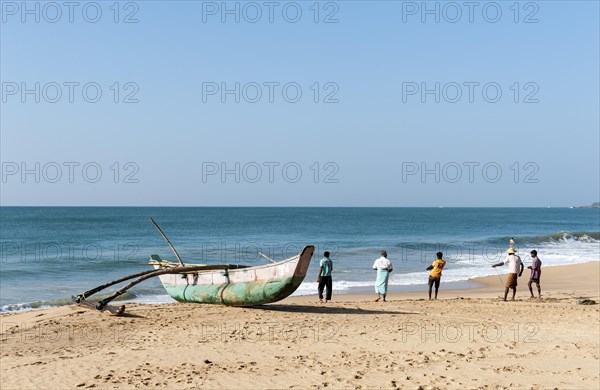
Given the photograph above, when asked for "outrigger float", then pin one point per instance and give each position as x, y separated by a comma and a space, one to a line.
224, 284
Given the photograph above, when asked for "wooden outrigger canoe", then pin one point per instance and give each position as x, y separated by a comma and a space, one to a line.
236, 285
226, 284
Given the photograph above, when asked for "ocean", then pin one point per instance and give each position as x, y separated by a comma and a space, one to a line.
49, 254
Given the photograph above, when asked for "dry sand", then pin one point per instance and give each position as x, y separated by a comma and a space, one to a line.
467, 339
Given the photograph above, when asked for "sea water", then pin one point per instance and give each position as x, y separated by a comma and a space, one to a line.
49, 254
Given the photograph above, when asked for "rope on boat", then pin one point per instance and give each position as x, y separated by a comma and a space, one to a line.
225, 286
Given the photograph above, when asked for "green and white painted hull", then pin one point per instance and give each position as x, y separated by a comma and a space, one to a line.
248, 286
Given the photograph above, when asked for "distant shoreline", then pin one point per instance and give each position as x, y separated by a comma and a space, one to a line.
595, 205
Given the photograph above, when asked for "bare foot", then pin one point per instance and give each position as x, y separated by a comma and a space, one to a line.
377, 300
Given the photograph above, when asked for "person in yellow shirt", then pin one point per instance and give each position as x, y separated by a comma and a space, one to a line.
436, 273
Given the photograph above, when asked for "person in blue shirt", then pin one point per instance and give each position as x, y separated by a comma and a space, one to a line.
324, 279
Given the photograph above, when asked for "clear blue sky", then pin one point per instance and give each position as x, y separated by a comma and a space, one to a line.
375, 136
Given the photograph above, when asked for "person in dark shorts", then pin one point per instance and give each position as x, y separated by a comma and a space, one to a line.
536, 273
515, 267
436, 273
324, 279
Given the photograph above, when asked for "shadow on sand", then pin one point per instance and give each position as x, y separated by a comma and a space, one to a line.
131, 315
323, 309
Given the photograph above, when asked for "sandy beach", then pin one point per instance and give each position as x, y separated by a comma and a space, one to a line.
466, 339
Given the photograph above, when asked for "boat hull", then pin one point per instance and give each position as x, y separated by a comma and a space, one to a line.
240, 287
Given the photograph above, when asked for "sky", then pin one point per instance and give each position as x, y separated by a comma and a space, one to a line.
342, 103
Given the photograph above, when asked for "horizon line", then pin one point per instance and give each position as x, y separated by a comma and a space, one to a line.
279, 206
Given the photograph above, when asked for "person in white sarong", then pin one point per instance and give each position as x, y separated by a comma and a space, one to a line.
383, 267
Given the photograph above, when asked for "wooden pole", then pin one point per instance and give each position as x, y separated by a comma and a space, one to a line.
168, 241
93, 291
266, 257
